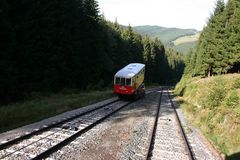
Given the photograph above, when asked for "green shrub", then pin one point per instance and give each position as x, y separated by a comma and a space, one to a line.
181, 86
216, 94
236, 83
233, 99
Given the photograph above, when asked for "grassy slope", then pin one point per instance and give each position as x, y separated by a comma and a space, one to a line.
19, 114
213, 105
164, 34
183, 44
185, 47
184, 38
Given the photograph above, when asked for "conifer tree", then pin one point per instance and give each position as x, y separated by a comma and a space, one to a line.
147, 58
232, 43
53, 45
210, 49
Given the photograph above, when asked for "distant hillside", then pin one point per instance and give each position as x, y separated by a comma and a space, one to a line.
163, 33
186, 39
183, 44
185, 47
171, 37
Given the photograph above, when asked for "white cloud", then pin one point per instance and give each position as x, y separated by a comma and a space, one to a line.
167, 13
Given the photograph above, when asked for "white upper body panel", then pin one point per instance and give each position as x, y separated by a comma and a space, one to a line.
130, 70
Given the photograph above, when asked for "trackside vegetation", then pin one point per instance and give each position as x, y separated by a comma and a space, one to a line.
213, 105
39, 106
210, 87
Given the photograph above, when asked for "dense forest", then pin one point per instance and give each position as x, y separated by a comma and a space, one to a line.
218, 50
48, 46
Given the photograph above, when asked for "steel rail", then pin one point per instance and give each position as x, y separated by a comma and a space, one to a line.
183, 134
56, 147
153, 131
67, 140
46, 127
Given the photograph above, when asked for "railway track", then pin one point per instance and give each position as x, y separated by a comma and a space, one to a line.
38, 144
168, 137
46, 140
43, 128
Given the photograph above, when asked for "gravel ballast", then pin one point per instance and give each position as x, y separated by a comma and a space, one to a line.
122, 136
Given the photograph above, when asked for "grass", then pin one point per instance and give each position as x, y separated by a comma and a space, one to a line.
185, 47
213, 105
186, 39
164, 34
23, 113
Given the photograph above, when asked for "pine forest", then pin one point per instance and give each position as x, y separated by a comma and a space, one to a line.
218, 49
48, 46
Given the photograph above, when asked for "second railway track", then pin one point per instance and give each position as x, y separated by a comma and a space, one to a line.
168, 138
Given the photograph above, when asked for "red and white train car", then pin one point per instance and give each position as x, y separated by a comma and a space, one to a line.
128, 82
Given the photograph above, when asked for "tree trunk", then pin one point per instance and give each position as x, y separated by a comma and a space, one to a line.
210, 71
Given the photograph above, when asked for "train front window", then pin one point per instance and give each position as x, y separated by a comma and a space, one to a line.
128, 82
122, 81
117, 81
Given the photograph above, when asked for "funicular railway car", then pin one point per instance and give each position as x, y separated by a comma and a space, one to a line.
128, 81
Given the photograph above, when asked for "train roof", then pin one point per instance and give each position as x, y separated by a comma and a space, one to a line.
130, 70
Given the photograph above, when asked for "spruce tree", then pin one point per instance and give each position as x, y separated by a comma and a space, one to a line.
210, 49
232, 43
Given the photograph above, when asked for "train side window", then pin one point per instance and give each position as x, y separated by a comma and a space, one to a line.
122, 81
117, 80
128, 82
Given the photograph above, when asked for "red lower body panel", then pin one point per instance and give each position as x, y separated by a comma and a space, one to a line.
128, 90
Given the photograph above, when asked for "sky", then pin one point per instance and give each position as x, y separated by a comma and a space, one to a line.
187, 14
